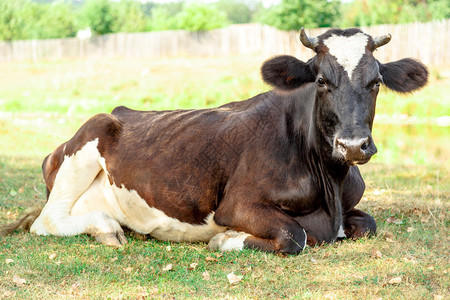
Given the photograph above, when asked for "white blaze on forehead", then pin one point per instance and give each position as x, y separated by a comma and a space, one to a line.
348, 51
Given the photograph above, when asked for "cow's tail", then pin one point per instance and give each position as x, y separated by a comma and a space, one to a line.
24, 222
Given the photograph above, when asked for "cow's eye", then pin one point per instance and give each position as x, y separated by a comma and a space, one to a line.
321, 81
379, 81
375, 84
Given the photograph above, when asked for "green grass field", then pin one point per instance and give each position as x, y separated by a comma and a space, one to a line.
42, 104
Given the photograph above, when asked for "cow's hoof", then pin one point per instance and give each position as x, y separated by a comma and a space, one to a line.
112, 239
227, 241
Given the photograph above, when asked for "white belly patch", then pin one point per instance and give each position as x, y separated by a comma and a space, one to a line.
129, 209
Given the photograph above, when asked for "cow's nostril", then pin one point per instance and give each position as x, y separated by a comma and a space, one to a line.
341, 146
365, 145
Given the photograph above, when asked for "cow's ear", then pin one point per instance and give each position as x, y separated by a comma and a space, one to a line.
405, 75
287, 72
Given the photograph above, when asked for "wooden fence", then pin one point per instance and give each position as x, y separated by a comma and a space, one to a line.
428, 42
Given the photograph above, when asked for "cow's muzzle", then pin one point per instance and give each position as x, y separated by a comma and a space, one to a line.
354, 151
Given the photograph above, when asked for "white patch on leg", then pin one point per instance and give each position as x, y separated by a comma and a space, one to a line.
306, 238
227, 241
341, 233
76, 175
348, 51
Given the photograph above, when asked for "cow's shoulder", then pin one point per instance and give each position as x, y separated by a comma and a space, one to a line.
121, 110
125, 114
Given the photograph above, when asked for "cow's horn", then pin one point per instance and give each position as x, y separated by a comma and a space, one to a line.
309, 42
381, 40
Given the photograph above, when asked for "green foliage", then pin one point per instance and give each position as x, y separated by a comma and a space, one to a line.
130, 17
439, 9
54, 20
13, 19
237, 11
294, 14
161, 19
199, 17
191, 16
373, 12
104, 16
99, 15
23, 19
240, 11
27, 19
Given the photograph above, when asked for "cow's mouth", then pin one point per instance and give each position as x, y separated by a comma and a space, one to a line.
358, 162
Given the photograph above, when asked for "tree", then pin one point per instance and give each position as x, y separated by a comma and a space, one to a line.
198, 17
55, 20
99, 15
373, 12
237, 11
130, 17
161, 19
294, 14
13, 19
439, 9
23, 19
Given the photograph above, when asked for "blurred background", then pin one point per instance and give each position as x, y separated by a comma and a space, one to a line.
43, 19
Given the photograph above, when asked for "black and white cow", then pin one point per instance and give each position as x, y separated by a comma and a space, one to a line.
275, 172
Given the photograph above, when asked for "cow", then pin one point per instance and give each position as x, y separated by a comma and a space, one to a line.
276, 172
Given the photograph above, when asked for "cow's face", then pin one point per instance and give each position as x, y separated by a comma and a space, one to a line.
347, 78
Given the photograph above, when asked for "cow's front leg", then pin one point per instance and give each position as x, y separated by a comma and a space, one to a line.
318, 227
358, 223
259, 226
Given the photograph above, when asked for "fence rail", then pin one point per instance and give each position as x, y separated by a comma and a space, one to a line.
428, 42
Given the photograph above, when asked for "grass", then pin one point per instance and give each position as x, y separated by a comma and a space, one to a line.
68, 87
86, 87
413, 248
42, 104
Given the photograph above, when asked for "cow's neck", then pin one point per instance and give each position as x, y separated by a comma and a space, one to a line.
301, 109
329, 174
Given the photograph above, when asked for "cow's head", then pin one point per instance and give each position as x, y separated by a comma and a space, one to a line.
347, 79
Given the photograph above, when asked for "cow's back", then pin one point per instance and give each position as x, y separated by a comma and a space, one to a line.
178, 161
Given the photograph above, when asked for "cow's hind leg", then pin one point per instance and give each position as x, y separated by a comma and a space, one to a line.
98, 203
75, 176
